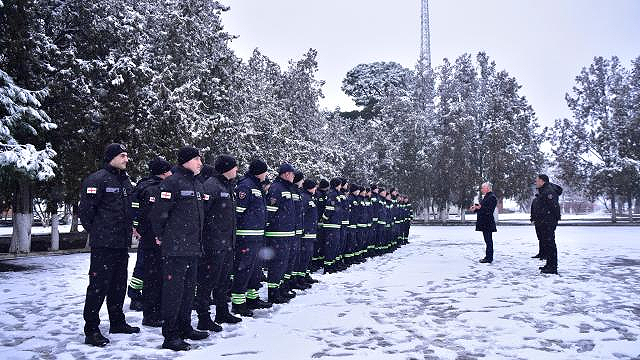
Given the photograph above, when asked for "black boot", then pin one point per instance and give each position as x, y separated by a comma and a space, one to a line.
123, 328
286, 291
176, 345
241, 309
275, 297
205, 323
192, 334
485, 261
549, 270
223, 316
254, 304
297, 284
310, 280
96, 339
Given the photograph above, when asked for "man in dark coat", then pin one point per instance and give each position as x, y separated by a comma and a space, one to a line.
485, 222
148, 269
105, 212
177, 218
546, 217
216, 265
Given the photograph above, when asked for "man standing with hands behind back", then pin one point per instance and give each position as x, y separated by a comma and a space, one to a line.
485, 222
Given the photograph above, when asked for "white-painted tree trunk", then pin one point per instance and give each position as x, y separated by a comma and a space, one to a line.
462, 215
55, 233
21, 237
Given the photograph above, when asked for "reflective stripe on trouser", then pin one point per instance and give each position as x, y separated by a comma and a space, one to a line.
331, 245
277, 265
294, 255
342, 243
307, 255
246, 259
318, 247
351, 242
136, 283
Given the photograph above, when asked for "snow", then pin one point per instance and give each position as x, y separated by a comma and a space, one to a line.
430, 299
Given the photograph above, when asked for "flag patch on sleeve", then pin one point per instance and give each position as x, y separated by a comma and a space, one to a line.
165, 195
92, 190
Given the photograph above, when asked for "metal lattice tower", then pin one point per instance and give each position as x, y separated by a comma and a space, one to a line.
425, 45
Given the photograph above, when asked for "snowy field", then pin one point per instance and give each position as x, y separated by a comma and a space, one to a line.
429, 300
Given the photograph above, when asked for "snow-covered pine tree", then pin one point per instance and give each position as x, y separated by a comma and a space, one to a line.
592, 139
22, 119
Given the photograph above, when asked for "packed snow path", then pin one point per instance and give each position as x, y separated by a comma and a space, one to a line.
430, 299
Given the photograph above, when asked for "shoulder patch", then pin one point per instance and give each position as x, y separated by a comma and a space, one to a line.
165, 195
273, 201
152, 199
242, 195
92, 190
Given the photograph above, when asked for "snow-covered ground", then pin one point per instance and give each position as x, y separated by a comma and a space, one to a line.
429, 300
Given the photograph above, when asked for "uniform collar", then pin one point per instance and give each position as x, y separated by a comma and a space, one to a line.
185, 172
115, 171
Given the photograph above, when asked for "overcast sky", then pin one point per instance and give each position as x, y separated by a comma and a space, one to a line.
543, 43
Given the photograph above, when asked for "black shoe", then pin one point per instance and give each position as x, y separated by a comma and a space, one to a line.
176, 345
205, 323
136, 305
224, 317
275, 297
485, 261
152, 322
241, 309
311, 280
123, 328
96, 339
299, 285
537, 256
254, 304
287, 294
195, 335
549, 271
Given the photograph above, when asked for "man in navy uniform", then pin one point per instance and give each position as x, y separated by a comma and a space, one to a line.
280, 231
309, 236
251, 221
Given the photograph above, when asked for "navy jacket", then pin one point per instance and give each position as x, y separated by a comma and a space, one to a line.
251, 211
281, 215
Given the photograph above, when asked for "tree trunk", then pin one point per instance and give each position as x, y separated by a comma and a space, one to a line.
74, 219
630, 208
613, 208
462, 215
444, 215
55, 233
22, 218
637, 206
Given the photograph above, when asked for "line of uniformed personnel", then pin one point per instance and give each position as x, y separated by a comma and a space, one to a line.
207, 238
